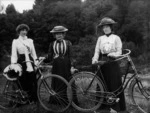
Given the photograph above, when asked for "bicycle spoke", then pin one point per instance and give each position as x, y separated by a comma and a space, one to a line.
85, 92
140, 96
7, 95
55, 98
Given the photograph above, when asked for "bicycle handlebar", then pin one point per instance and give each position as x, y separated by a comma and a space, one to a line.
40, 61
119, 57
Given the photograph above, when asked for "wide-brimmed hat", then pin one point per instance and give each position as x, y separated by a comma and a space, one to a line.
107, 21
21, 27
58, 29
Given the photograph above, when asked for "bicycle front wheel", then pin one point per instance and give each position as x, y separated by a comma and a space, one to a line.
52, 93
7, 98
140, 95
87, 94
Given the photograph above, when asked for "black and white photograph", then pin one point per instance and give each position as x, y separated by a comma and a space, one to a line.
74, 56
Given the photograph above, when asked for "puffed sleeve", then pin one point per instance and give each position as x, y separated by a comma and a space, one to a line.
50, 54
70, 53
97, 51
14, 56
33, 52
69, 48
118, 45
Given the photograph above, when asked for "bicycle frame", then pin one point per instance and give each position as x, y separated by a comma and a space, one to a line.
125, 83
41, 77
135, 77
17, 95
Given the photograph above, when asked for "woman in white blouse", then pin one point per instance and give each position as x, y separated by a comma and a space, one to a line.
23, 51
109, 46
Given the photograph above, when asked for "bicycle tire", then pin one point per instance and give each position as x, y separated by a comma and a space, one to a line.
137, 98
58, 101
6, 89
89, 101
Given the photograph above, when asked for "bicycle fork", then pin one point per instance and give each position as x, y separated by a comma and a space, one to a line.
48, 88
141, 87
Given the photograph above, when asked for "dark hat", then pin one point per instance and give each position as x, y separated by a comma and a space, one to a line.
107, 21
58, 29
21, 27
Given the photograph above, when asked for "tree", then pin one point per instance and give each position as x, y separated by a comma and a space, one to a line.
11, 9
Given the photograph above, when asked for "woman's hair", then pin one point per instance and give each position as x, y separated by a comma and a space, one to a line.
110, 25
99, 30
22, 27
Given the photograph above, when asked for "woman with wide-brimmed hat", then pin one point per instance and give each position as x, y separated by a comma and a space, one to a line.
60, 52
107, 47
23, 51
60, 55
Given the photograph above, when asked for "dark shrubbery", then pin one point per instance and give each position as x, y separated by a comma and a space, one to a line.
81, 20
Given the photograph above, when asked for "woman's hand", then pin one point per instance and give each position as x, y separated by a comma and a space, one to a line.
94, 61
36, 62
113, 55
73, 70
100, 63
41, 58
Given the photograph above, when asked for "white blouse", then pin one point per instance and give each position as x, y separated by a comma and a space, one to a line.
108, 45
18, 47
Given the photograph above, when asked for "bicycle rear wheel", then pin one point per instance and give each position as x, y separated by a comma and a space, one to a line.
140, 96
7, 88
91, 99
54, 98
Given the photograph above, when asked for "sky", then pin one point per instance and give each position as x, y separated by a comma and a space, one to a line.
20, 5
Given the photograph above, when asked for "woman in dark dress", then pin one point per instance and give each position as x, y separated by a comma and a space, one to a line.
59, 54
108, 46
23, 50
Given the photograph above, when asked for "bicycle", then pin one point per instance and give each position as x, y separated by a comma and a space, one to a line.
92, 90
50, 98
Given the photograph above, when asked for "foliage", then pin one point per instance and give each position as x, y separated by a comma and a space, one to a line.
81, 19
11, 9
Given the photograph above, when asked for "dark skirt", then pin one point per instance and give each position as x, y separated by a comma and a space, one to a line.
61, 66
112, 78
28, 79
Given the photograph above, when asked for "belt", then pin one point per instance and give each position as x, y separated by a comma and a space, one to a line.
104, 57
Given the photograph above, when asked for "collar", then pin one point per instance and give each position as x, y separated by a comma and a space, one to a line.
23, 38
108, 34
60, 40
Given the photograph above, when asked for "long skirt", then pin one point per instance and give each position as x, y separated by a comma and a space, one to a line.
112, 78
61, 66
28, 80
